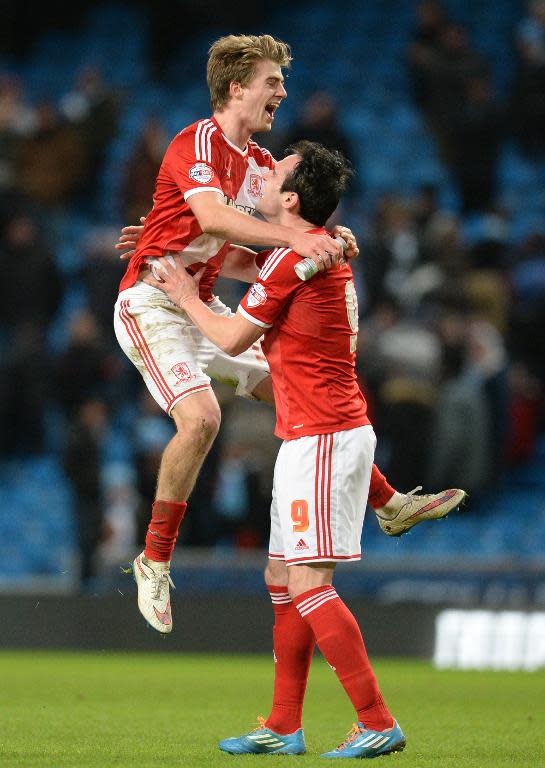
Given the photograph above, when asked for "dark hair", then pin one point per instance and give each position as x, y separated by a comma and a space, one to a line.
319, 180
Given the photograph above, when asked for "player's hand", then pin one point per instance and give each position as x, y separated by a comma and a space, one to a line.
128, 239
351, 251
322, 249
176, 281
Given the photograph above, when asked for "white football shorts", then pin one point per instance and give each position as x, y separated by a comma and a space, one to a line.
320, 490
173, 357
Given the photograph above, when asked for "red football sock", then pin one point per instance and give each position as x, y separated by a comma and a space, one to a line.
166, 517
293, 647
339, 639
380, 491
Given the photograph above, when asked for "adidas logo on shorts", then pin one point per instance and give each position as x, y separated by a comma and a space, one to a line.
301, 544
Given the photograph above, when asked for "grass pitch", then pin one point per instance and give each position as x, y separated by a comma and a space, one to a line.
104, 710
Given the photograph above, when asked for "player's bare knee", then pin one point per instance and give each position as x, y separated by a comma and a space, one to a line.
276, 574
301, 578
200, 428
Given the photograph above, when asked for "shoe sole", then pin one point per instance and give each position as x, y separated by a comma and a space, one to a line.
259, 754
281, 751
461, 504
395, 748
388, 751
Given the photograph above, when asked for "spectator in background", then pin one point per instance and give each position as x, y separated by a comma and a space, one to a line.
447, 69
140, 173
425, 46
92, 107
234, 496
460, 439
400, 360
17, 121
318, 120
30, 293
525, 414
526, 338
84, 367
101, 272
476, 139
52, 162
392, 249
82, 462
528, 95
119, 513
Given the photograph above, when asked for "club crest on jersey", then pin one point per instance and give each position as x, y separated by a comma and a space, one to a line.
201, 173
256, 185
182, 372
257, 295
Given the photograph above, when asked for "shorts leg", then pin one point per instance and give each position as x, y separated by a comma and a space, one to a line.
321, 486
162, 343
276, 541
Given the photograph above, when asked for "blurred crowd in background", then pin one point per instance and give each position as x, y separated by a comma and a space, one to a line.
451, 352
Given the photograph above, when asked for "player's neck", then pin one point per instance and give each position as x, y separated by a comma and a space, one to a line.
230, 124
287, 219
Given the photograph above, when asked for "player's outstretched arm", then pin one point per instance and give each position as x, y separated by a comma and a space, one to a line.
223, 221
232, 334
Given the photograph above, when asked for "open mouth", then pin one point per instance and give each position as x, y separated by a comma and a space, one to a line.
271, 108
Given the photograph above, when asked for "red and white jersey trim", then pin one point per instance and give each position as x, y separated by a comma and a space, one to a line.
253, 319
273, 260
242, 152
266, 152
203, 144
194, 191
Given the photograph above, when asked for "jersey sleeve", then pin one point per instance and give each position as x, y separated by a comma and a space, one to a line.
192, 160
273, 289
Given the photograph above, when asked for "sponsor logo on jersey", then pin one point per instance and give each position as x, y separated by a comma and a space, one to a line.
256, 185
182, 372
201, 173
257, 295
250, 210
301, 545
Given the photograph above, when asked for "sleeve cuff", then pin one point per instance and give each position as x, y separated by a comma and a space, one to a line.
253, 320
196, 190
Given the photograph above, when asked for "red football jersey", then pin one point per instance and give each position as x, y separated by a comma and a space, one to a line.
310, 344
199, 159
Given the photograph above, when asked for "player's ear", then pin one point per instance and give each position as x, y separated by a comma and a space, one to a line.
235, 89
290, 201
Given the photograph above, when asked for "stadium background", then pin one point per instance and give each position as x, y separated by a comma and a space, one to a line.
442, 113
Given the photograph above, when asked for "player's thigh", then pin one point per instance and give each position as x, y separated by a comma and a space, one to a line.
160, 341
321, 487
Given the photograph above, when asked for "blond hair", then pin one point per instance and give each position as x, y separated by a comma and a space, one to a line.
233, 58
